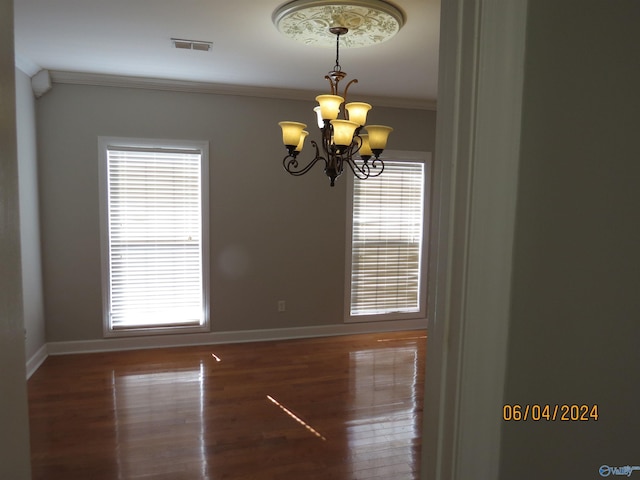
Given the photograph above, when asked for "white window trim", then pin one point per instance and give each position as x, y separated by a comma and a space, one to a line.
203, 147
405, 156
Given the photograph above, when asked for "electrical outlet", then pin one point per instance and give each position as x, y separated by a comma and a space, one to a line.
282, 306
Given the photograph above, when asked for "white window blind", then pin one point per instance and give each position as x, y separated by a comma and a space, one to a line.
155, 237
386, 240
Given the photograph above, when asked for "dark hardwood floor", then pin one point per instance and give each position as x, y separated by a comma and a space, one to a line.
340, 408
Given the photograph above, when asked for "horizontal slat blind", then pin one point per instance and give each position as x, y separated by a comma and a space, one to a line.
388, 214
155, 237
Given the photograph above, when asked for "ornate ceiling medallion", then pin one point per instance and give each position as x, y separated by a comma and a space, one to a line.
308, 21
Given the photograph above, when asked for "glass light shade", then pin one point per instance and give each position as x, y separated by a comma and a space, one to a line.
329, 106
291, 132
303, 135
378, 135
319, 115
358, 112
365, 148
343, 131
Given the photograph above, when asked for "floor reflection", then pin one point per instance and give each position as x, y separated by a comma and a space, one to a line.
383, 429
296, 418
153, 411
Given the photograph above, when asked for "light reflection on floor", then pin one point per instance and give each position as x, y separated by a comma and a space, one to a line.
296, 418
383, 386
178, 393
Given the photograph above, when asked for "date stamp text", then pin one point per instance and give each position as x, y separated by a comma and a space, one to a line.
550, 412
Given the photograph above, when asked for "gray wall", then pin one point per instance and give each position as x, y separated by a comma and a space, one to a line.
33, 303
273, 236
575, 329
14, 430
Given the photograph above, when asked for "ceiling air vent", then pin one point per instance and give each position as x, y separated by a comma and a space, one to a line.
191, 44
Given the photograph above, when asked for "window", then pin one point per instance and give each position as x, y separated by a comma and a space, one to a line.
386, 235
154, 222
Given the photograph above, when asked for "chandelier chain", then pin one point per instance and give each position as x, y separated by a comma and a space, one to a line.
337, 67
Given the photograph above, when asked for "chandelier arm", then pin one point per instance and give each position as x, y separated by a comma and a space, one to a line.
292, 165
334, 89
360, 172
366, 165
367, 170
290, 162
377, 162
344, 95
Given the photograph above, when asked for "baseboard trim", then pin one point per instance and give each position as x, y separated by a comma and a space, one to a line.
242, 336
34, 362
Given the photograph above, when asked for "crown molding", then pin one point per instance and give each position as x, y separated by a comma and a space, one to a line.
122, 81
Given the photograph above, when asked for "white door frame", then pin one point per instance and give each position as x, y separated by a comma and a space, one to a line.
472, 227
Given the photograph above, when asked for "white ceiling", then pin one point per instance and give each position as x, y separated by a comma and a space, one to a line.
132, 38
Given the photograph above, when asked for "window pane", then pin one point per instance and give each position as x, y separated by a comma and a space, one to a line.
155, 237
388, 213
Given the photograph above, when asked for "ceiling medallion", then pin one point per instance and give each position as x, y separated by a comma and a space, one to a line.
308, 21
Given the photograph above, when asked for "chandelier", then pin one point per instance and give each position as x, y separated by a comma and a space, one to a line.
346, 140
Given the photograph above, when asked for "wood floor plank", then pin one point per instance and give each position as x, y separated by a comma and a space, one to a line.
340, 408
